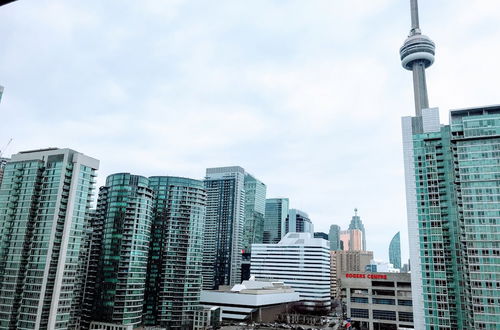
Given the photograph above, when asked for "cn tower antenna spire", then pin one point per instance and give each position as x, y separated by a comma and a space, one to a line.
417, 54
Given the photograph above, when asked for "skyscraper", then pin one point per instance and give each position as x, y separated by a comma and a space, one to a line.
3, 162
452, 204
175, 260
351, 240
356, 223
298, 222
224, 222
127, 203
255, 206
319, 234
45, 199
395, 251
334, 237
275, 219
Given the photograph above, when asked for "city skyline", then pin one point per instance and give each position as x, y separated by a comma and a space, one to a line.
104, 98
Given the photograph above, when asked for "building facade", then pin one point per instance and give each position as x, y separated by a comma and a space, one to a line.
334, 237
380, 301
225, 217
298, 222
275, 220
300, 261
45, 199
3, 162
346, 261
127, 214
174, 277
322, 235
356, 223
351, 240
455, 205
395, 251
253, 230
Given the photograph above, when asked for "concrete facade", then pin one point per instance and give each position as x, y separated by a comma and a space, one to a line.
376, 301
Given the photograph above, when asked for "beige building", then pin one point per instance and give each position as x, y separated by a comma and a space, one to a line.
351, 240
346, 261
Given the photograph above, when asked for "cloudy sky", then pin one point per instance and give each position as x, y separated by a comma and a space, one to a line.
305, 95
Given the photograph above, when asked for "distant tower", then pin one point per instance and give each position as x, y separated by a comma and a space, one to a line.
334, 237
395, 251
417, 54
356, 223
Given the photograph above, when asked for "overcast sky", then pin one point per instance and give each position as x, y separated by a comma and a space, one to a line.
305, 95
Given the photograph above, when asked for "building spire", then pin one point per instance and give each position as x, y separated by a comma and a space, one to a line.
417, 54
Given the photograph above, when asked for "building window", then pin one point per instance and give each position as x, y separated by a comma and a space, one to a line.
405, 316
359, 313
402, 302
359, 300
383, 301
384, 315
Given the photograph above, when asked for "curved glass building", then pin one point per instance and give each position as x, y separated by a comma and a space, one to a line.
175, 263
126, 215
395, 251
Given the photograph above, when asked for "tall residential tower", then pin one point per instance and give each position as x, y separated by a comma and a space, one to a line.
395, 251
45, 200
275, 219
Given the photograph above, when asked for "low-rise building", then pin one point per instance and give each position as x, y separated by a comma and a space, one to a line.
257, 301
376, 301
207, 318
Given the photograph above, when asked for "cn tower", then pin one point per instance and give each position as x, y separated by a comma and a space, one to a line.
417, 54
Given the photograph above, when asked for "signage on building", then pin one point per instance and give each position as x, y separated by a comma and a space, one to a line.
370, 276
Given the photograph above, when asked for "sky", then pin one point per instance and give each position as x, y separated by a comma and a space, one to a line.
305, 95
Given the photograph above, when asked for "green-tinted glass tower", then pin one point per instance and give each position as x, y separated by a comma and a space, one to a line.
356, 223
45, 199
457, 180
334, 237
275, 219
395, 251
255, 206
126, 204
176, 254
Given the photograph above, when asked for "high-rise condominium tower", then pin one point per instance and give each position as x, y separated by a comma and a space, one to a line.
275, 219
174, 272
126, 216
298, 222
45, 198
225, 215
452, 193
3, 162
356, 223
395, 251
334, 237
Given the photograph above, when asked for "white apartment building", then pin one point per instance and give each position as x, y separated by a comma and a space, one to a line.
300, 261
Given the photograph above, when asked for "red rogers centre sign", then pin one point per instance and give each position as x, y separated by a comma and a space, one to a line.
370, 276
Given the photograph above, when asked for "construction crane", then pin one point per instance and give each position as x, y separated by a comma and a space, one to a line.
5, 148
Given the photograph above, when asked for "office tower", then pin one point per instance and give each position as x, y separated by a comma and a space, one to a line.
224, 221
356, 223
351, 239
452, 199
3, 162
322, 235
395, 251
300, 261
298, 221
44, 204
253, 232
275, 219
334, 237
175, 261
126, 201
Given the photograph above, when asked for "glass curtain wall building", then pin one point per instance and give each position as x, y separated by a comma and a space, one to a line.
45, 200
175, 262
126, 202
334, 238
255, 206
356, 223
395, 251
225, 216
455, 187
275, 219
298, 222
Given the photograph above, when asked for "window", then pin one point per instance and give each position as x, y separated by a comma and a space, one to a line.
405, 316
360, 313
384, 315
